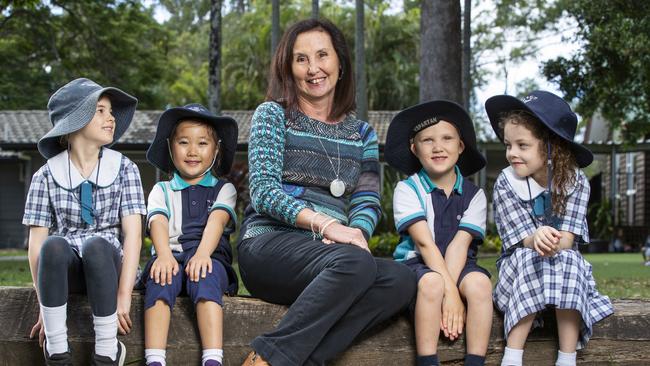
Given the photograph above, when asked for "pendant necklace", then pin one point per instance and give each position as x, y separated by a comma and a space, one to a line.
337, 186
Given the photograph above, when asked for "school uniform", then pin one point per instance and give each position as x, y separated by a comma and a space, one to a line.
528, 282
187, 207
84, 219
53, 201
417, 198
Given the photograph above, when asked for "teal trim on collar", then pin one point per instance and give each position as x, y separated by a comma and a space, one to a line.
429, 186
458, 186
426, 182
177, 183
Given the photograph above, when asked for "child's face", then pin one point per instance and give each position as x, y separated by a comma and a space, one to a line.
523, 150
438, 148
193, 150
101, 128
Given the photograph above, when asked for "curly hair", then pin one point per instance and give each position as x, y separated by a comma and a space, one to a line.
562, 158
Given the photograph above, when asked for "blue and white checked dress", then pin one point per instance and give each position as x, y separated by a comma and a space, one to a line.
53, 199
528, 283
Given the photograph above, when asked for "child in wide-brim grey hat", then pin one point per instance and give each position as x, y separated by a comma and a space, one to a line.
84, 210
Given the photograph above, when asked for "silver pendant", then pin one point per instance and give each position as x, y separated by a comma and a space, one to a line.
337, 188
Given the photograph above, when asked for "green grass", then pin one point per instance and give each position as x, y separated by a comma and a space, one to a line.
15, 273
617, 275
12, 252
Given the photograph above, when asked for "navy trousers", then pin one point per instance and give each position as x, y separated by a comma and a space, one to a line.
335, 293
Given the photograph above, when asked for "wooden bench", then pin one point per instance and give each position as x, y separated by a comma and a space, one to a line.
622, 339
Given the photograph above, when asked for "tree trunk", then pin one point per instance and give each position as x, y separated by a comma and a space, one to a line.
467, 52
214, 83
240, 6
440, 51
275, 25
314, 9
360, 64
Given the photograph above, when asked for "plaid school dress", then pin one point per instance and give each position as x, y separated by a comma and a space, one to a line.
53, 199
528, 282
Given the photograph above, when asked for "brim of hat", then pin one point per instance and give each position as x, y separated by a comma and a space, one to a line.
226, 127
122, 104
397, 149
497, 105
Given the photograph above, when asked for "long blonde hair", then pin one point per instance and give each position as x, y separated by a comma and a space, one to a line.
562, 159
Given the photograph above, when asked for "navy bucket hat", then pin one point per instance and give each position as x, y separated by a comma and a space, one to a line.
398, 139
73, 106
158, 153
551, 110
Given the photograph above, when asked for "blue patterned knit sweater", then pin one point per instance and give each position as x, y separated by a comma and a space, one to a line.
290, 171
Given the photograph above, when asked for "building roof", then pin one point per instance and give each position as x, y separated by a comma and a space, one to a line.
27, 126
23, 128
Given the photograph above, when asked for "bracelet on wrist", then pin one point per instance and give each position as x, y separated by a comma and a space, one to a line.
328, 223
311, 224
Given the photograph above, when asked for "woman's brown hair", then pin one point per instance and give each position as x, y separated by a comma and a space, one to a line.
282, 87
562, 158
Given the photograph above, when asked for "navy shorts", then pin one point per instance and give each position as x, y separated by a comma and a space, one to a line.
416, 264
210, 288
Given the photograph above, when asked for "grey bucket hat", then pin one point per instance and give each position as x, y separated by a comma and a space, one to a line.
73, 106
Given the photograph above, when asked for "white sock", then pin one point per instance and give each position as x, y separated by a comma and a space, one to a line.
56, 331
212, 354
106, 335
155, 355
565, 359
512, 357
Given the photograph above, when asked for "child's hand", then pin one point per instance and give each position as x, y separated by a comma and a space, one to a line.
124, 323
453, 314
163, 269
38, 329
198, 266
546, 241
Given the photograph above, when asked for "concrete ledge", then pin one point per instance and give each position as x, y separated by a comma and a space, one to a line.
623, 338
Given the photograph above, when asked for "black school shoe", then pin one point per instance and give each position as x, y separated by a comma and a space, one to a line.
57, 359
98, 360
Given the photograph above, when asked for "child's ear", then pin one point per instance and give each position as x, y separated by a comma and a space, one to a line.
462, 147
413, 151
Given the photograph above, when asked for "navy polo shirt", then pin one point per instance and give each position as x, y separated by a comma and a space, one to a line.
417, 198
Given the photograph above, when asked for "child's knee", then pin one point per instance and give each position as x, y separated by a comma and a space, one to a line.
477, 287
210, 288
156, 293
55, 250
431, 287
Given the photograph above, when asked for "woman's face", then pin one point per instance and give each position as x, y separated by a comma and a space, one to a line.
315, 66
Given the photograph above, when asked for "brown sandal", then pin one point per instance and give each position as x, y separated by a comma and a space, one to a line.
254, 359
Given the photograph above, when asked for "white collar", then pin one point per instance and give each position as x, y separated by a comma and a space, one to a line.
520, 186
109, 170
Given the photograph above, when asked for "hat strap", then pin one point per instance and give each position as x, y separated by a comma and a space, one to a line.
549, 167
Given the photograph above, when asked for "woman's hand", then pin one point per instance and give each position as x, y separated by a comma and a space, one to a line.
39, 329
453, 313
546, 241
163, 269
198, 266
124, 323
338, 233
